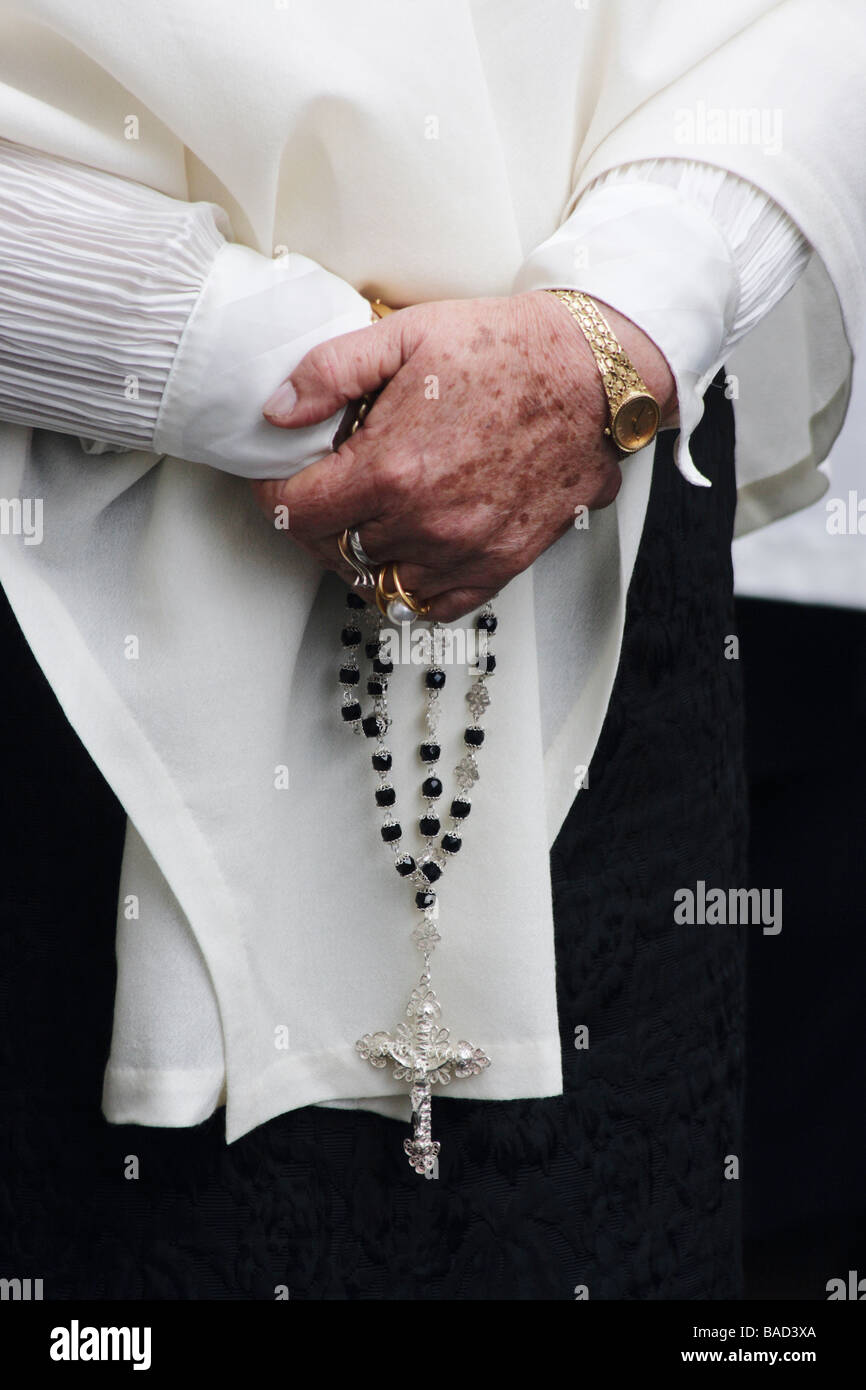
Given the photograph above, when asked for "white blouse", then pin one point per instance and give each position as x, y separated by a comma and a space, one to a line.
132, 321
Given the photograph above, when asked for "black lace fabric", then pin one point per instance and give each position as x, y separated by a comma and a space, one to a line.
615, 1190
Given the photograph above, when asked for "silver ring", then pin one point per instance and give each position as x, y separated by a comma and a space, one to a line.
364, 577
358, 550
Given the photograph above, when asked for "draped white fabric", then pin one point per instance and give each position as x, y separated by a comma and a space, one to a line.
415, 154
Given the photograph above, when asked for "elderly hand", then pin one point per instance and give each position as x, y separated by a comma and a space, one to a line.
473, 460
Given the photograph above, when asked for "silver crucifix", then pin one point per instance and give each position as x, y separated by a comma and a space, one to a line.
423, 1055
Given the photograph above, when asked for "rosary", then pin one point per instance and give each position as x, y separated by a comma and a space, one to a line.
419, 1047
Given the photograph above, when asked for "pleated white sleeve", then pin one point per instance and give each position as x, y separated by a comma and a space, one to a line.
693, 254
131, 320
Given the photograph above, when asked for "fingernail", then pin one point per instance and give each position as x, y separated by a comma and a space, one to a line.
282, 402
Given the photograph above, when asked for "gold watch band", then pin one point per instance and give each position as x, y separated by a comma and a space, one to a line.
622, 382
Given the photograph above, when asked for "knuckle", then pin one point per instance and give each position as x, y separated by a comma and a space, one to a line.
398, 479
436, 543
347, 455
457, 532
326, 361
381, 497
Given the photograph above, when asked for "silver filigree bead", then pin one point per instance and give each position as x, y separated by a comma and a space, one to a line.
478, 698
426, 935
466, 772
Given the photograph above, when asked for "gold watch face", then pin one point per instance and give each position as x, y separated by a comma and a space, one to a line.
636, 422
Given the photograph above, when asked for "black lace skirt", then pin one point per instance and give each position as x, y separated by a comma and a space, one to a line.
622, 1188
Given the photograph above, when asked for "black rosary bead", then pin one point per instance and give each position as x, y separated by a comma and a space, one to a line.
375, 725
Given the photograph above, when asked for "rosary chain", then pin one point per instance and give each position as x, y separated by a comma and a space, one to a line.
427, 869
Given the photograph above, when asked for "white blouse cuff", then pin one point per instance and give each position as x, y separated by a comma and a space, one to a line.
692, 254
255, 319
128, 319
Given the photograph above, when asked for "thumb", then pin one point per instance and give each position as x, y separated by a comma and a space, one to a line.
340, 370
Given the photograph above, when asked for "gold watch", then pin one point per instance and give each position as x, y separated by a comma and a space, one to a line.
634, 411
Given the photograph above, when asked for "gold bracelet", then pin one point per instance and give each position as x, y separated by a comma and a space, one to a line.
634, 411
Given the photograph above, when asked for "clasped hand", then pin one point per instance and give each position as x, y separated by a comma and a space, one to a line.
487, 436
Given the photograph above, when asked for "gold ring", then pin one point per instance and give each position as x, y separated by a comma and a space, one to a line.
384, 597
408, 599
